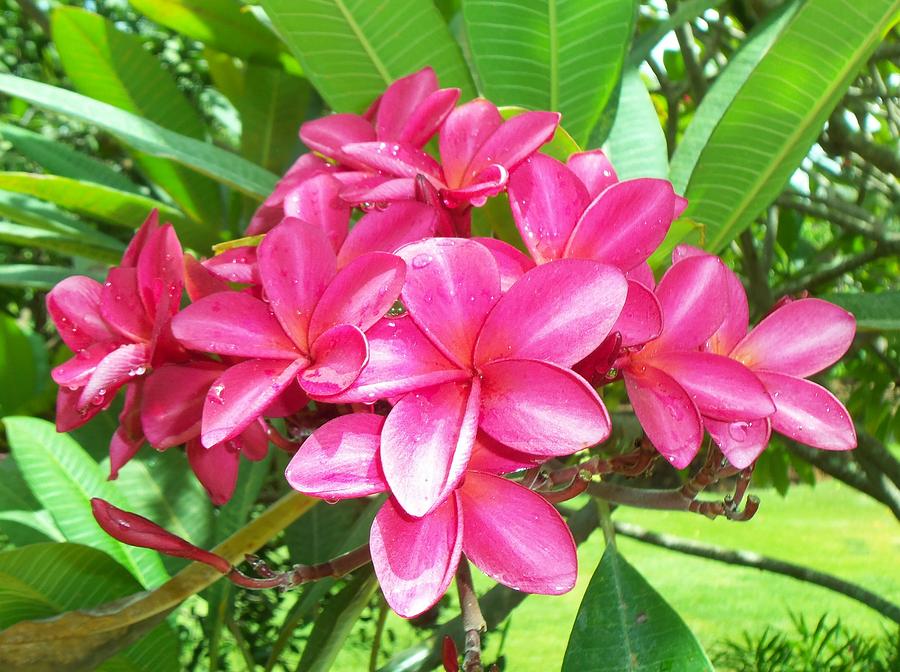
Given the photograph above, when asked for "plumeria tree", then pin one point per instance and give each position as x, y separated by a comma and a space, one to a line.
480, 311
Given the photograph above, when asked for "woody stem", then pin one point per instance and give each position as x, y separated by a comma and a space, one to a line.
473, 621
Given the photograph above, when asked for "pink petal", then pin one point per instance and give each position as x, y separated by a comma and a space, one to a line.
129, 435
387, 230
641, 318
540, 408
667, 414
121, 307
415, 558
238, 264
516, 140
722, 388
360, 294
451, 284
428, 116
296, 263
546, 200
317, 201
742, 441
76, 371
68, 415
216, 468
393, 158
625, 224
693, 295
290, 401
241, 394
233, 324
199, 281
328, 134
379, 189
400, 99
401, 359
809, 413
426, 444
488, 183
643, 274
173, 401
799, 339
338, 355
340, 459
594, 170
737, 318
511, 262
253, 442
465, 130
121, 452
526, 323
133, 251
160, 271
113, 371
516, 537
74, 306
491, 456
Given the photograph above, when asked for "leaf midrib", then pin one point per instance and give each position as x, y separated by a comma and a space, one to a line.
363, 41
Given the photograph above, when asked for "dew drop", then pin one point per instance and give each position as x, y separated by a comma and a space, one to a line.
422, 260
738, 430
215, 394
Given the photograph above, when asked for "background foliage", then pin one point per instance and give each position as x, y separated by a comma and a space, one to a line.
777, 119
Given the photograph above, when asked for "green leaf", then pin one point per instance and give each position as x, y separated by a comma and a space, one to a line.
115, 68
351, 50
64, 478
623, 625
687, 10
60, 159
22, 519
56, 241
221, 24
762, 133
32, 276
120, 208
636, 144
78, 639
18, 369
336, 621
47, 579
873, 311
271, 104
223, 166
563, 55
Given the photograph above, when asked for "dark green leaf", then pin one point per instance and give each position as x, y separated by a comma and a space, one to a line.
623, 625
563, 55
32, 276
18, 370
351, 51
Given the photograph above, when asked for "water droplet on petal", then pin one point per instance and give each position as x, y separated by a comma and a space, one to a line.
215, 394
738, 430
422, 260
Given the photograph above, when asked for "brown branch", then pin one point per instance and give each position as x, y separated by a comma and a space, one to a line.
691, 66
815, 280
757, 561
299, 574
840, 140
472, 618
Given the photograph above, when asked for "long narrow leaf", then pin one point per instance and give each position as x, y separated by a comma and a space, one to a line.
636, 144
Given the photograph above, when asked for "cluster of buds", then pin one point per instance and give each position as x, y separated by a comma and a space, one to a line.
486, 361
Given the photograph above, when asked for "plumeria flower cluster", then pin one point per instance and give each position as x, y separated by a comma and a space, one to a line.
440, 366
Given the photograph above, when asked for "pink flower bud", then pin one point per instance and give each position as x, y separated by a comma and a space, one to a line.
135, 530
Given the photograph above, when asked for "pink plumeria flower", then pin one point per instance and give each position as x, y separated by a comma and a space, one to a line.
671, 383
311, 329
581, 211
118, 330
796, 340
478, 151
509, 532
464, 357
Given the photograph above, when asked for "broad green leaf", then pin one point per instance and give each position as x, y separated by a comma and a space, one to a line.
352, 49
64, 478
686, 10
47, 579
22, 519
221, 165
336, 621
77, 639
221, 24
113, 67
636, 144
563, 55
32, 276
60, 159
57, 241
623, 625
873, 311
120, 208
271, 104
779, 108
18, 369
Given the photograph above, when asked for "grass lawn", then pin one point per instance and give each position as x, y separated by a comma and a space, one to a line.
830, 527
